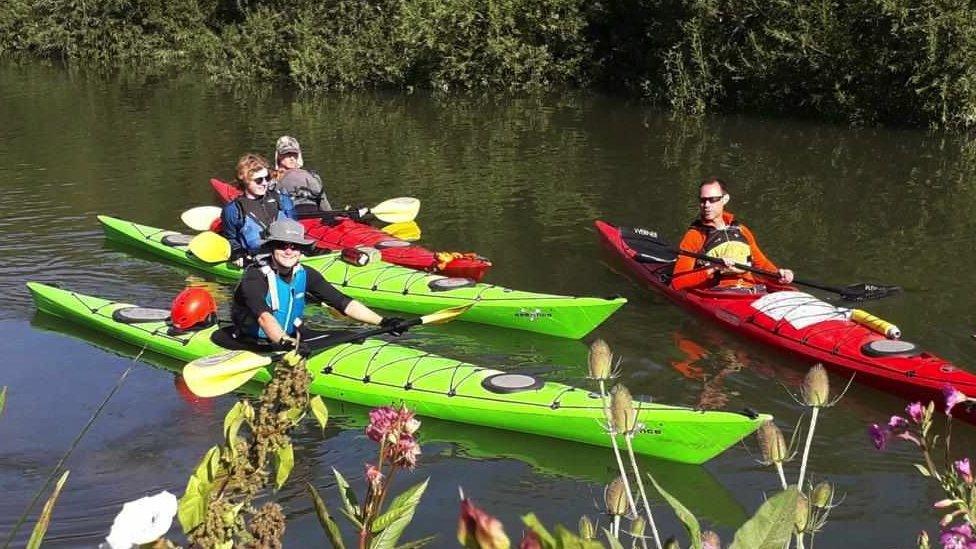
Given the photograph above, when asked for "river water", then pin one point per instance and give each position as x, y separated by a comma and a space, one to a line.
519, 180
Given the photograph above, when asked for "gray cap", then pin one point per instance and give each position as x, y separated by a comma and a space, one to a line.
288, 230
286, 145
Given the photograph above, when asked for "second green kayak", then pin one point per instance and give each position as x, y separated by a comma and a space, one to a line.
395, 288
378, 373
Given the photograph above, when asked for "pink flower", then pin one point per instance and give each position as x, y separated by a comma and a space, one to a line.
374, 477
958, 537
407, 421
530, 540
964, 470
915, 410
897, 422
477, 528
879, 436
382, 421
953, 396
404, 453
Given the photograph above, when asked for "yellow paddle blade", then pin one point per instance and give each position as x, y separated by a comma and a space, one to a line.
405, 230
201, 217
210, 247
222, 373
445, 315
396, 210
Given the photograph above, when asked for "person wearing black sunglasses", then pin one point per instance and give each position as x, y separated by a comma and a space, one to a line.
245, 220
717, 233
270, 299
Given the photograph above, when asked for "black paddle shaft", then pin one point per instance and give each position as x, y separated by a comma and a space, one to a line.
854, 292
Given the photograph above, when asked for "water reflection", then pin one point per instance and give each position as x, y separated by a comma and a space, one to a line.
516, 179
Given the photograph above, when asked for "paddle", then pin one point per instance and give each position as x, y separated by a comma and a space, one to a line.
405, 230
210, 247
653, 245
222, 373
201, 217
394, 210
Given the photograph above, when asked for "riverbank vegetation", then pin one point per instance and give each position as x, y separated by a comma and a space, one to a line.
862, 62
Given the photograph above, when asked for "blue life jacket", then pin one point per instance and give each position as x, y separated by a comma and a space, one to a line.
251, 229
287, 301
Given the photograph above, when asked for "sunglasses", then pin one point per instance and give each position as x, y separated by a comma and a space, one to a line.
710, 199
263, 180
288, 246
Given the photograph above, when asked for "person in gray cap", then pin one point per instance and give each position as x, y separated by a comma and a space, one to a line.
271, 297
303, 186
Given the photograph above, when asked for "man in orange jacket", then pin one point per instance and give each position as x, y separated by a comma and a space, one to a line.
716, 233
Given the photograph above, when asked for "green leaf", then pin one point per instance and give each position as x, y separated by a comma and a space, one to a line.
295, 415
534, 524
417, 544
193, 505
614, 542
398, 517
771, 526
320, 411
404, 503
570, 540
233, 421
40, 529
3, 399
922, 469
286, 461
350, 505
329, 525
687, 517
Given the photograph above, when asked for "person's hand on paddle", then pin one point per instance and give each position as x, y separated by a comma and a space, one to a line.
728, 267
288, 343
785, 276
357, 214
399, 323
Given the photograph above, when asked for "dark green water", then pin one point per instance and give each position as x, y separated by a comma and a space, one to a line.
520, 181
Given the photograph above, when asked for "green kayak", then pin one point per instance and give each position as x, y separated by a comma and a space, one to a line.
396, 288
376, 373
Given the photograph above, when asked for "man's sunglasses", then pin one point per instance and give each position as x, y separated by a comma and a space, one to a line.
288, 246
710, 199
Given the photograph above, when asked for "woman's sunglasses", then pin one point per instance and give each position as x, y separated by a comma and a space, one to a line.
288, 246
263, 180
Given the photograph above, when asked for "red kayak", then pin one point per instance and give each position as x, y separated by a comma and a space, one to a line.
803, 325
348, 233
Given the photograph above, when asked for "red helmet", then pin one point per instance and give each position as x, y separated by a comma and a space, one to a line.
191, 307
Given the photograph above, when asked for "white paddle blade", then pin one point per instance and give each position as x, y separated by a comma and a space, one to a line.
201, 217
222, 373
397, 210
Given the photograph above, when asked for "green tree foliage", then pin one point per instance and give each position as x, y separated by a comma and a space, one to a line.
862, 61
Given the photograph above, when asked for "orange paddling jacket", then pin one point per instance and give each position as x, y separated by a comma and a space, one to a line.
700, 238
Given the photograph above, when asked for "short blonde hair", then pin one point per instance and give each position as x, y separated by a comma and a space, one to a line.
248, 164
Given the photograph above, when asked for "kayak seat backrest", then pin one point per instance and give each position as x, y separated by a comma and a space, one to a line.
890, 347
135, 315
507, 383
176, 240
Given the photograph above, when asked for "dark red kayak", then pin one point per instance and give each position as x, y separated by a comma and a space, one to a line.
345, 233
802, 325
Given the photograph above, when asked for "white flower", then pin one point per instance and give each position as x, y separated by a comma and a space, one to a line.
142, 521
